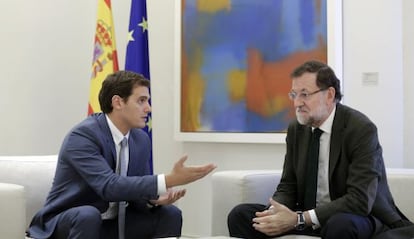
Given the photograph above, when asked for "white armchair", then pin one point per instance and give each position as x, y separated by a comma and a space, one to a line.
12, 211
231, 188
24, 184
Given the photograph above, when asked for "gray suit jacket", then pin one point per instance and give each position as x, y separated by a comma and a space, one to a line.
357, 178
85, 174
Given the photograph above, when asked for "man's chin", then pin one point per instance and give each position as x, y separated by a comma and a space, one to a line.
302, 120
140, 126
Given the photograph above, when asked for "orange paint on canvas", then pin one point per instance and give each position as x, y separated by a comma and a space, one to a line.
269, 82
192, 92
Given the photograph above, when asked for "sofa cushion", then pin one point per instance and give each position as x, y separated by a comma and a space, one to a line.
12, 211
35, 173
233, 187
401, 182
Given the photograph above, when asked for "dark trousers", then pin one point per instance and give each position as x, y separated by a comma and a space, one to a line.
85, 222
341, 225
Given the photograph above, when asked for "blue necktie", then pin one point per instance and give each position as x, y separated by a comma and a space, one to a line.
123, 168
312, 163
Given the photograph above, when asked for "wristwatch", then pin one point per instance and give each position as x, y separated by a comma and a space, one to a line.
300, 225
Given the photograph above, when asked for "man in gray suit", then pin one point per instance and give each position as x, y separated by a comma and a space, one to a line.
88, 190
349, 196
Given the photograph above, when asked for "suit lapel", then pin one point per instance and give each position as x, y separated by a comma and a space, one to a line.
303, 142
336, 138
108, 139
137, 160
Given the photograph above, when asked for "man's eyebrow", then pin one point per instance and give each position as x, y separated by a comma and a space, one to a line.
301, 90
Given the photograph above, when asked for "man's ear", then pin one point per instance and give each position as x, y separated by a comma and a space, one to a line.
331, 93
117, 102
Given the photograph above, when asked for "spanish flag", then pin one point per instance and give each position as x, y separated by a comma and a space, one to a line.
105, 60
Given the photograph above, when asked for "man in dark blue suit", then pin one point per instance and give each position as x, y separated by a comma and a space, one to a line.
88, 189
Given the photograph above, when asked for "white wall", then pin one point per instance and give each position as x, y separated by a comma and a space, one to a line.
47, 53
373, 43
408, 99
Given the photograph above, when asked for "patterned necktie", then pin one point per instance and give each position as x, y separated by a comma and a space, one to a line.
123, 168
311, 178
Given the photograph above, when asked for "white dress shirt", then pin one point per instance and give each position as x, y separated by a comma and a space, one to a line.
322, 193
117, 136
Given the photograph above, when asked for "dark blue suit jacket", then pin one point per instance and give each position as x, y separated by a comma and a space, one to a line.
85, 174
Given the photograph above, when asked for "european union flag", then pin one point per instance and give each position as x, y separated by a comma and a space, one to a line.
137, 59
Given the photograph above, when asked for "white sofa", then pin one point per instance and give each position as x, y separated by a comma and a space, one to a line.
12, 211
26, 181
230, 188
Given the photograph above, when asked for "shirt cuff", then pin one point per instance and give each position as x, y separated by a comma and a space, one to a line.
314, 219
162, 188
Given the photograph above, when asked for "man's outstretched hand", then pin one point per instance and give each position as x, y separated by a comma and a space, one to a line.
170, 197
182, 174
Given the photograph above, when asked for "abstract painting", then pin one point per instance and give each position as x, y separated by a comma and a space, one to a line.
236, 58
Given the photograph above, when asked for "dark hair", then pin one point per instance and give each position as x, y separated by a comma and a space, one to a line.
325, 76
119, 83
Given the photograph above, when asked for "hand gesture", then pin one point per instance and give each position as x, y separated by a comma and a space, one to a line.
170, 197
276, 220
182, 174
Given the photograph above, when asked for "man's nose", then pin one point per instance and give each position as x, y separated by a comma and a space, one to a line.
297, 102
148, 108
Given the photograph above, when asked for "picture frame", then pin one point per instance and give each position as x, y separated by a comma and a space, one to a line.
334, 59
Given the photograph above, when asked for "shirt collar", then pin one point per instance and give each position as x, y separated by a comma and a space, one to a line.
326, 126
117, 136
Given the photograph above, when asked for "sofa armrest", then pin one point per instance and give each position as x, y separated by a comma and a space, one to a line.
34, 173
12, 211
231, 188
401, 182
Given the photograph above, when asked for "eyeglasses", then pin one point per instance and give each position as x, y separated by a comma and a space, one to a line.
302, 95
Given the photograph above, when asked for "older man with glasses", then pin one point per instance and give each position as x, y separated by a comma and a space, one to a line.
334, 183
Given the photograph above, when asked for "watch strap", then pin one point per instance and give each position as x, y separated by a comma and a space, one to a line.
300, 224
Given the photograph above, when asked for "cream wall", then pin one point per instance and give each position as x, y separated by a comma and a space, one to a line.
47, 52
408, 95
373, 43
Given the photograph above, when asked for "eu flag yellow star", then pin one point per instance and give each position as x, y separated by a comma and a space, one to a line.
143, 24
131, 35
149, 124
